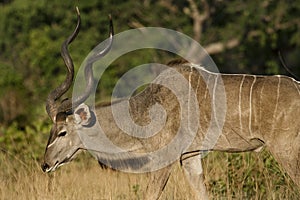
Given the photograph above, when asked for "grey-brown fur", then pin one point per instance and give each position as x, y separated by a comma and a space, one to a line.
275, 122
262, 111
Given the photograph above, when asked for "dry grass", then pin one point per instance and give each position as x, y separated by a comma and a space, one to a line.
247, 176
78, 180
228, 176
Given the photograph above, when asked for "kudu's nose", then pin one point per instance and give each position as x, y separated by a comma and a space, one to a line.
44, 166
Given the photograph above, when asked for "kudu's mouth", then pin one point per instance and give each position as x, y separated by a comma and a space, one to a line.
46, 168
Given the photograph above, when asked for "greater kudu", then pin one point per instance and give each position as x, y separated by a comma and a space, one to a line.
262, 111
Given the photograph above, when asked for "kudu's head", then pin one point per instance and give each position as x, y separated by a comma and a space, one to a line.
70, 115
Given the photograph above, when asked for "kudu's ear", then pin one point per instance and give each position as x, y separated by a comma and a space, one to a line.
84, 116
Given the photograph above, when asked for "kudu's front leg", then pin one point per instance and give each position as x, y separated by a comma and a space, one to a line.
157, 183
193, 172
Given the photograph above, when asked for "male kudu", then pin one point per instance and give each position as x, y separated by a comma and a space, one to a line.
262, 111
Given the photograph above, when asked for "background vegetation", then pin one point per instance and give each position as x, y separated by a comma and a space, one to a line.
241, 36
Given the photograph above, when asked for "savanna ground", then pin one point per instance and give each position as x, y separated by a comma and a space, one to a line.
227, 176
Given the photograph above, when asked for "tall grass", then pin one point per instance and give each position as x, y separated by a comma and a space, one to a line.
247, 176
227, 176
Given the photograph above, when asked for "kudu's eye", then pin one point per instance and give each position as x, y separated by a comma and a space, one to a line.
62, 133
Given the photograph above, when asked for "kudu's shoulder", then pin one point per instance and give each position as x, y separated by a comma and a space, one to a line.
177, 62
